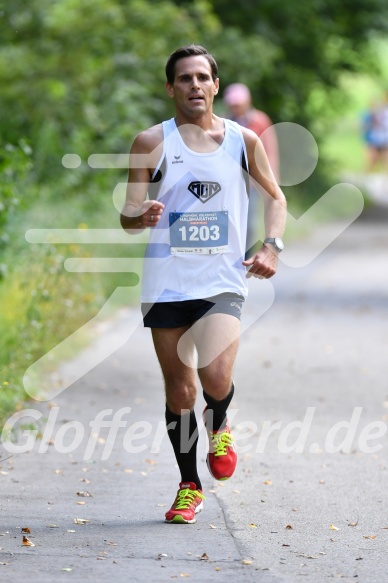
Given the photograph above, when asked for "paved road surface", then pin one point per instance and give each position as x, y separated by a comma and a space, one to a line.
296, 509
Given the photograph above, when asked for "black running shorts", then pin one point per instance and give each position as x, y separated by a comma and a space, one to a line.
177, 314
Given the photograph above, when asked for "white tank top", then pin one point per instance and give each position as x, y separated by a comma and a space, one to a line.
197, 248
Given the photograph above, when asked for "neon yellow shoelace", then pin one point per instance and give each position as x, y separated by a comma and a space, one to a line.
186, 497
220, 443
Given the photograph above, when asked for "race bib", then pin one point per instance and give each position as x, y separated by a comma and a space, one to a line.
202, 232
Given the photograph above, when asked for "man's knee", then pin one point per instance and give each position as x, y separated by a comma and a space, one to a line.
180, 395
217, 385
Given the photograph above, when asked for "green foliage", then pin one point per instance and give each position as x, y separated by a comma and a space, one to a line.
312, 42
42, 303
14, 166
84, 78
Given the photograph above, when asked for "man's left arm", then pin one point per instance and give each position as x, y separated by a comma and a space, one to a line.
263, 264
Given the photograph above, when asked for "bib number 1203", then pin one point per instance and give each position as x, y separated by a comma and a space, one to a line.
202, 233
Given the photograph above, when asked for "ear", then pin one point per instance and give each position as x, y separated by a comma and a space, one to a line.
216, 86
169, 89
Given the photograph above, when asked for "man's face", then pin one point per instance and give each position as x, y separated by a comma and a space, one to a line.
193, 89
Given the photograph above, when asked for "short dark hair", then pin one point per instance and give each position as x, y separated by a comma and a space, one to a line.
189, 51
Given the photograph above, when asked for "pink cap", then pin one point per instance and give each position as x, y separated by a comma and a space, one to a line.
236, 94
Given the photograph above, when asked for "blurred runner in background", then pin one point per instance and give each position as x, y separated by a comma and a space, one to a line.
238, 100
375, 134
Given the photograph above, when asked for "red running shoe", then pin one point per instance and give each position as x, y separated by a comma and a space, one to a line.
187, 504
222, 457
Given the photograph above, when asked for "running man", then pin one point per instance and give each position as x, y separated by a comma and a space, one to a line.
195, 170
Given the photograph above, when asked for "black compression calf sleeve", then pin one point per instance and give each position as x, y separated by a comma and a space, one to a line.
183, 433
215, 416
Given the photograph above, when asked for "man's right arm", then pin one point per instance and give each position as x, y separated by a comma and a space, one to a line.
139, 213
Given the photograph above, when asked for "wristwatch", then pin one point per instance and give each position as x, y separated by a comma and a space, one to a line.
276, 242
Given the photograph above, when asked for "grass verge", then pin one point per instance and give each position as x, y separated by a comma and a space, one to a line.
41, 303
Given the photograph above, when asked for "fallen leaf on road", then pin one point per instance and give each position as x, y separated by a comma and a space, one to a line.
353, 523
212, 526
268, 483
1, 563
246, 562
359, 558
236, 492
27, 542
85, 480
85, 494
252, 525
332, 527
151, 462
288, 527
81, 502
67, 569
161, 556
184, 575
81, 520
58, 472
372, 536
204, 557
26, 530
218, 569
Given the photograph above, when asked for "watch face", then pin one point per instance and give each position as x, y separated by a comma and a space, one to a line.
279, 243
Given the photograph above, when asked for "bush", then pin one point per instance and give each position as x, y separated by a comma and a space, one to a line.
15, 162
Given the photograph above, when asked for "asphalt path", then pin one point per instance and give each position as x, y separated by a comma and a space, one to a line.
308, 500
